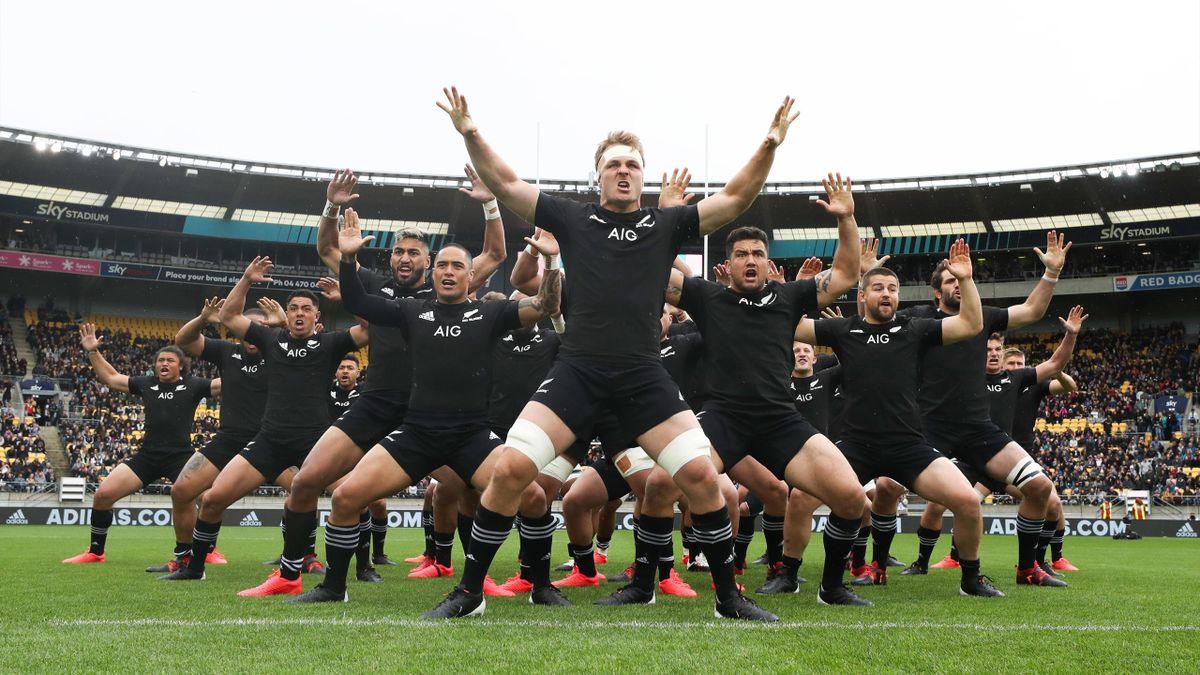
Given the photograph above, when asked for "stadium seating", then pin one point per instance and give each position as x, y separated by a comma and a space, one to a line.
22, 453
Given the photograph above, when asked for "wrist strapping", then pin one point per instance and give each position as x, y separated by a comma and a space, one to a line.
491, 210
552, 262
331, 210
1049, 279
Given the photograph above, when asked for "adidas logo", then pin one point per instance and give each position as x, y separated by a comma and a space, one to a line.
251, 520
18, 518
426, 316
1186, 531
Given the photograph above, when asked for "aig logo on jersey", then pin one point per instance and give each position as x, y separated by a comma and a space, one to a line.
448, 331
766, 300
629, 233
294, 353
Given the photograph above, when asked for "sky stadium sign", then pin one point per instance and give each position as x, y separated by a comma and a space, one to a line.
64, 212
1156, 282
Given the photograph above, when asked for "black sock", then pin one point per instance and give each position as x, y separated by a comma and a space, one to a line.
927, 541
379, 528
603, 544
488, 533
666, 557
101, 521
839, 536
340, 545
362, 555
311, 546
655, 533
538, 534
690, 543
1028, 532
299, 534
858, 552
427, 525
204, 539
521, 542
745, 535
1056, 544
791, 566
954, 550
465, 524
584, 556
1044, 541
715, 534
883, 530
970, 572
773, 533
443, 548
181, 549
283, 529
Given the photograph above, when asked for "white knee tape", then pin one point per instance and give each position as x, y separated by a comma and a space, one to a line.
632, 461
529, 439
687, 446
559, 468
1025, 471
869, 485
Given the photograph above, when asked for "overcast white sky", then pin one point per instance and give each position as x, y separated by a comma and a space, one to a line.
886, 89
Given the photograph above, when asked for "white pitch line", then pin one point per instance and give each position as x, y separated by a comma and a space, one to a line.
590, 624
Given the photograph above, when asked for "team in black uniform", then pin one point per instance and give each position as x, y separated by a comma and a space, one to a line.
344, 392
451, 339
170, 398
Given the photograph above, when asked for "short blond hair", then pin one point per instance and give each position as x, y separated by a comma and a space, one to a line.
619, 138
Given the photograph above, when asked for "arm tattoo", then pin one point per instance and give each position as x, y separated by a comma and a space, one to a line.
550, 293
673, 293
823, 281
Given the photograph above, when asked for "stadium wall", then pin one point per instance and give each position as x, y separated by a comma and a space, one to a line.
270, 517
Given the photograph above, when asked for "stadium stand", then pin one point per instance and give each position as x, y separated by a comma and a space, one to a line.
22, 453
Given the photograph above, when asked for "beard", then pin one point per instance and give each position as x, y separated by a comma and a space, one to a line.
952, 302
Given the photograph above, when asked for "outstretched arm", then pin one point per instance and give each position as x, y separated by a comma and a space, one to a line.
189, 338
546, 302
354, 297
739, 193
1034, 307
230, 314
526, 276
674, 292
843, 275
806, 331
969, 320
105, 373
339, 193
1063, 384
1053, 366
520, 197
493, 253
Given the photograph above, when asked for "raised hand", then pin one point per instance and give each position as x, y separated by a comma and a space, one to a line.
721, 272
547, 244
782, 120
841, 202
674, 191
959, 262
330, 289
457, 110
479, 192
811, 268
88, 338
210, 309
1055, 255
831, 312
774, 272
341, 188
1074, 321
259, 269
274, 311
350, 239
867, 256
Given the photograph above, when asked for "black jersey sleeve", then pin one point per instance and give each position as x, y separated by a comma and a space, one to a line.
553, 213
258, 335
930, 331
995, 319
1026, 377
373, 309
692, 295
372, 281
216, 351
685, 223
509, 316
828, 331
138, 384
343, 343
200, 387
832, 376
802, 296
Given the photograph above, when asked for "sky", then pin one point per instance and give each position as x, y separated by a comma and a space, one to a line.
885, 89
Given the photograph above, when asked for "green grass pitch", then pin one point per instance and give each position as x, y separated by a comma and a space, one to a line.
1134, 607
